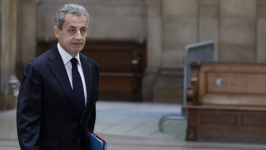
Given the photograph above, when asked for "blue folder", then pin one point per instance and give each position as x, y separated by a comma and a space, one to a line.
97, 143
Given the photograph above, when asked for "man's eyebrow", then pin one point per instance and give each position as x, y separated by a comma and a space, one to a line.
72, 27
76, 27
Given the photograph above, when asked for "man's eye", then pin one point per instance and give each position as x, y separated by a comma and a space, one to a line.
72, 30
83, 30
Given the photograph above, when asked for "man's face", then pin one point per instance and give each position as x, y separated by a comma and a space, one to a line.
72, 37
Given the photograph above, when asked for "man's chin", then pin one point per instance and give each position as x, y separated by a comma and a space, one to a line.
76, 49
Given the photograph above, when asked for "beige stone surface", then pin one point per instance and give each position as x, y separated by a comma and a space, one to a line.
119, 28
237, 53
168, 94
154, 35
209, 2
169, 87
173, 59
238, 8
148, 82
208, 29
211, 11
208, 20
180, 8
109, 20
27, 34
261, 31
180, 28
5, 45
261, 40
238, 31
179, 31
261, 11
154, 47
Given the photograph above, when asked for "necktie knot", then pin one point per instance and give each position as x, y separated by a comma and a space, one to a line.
74, 61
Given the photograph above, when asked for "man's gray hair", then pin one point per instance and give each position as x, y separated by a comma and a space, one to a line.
69, 9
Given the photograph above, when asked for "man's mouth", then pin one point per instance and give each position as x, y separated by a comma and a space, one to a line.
77, 44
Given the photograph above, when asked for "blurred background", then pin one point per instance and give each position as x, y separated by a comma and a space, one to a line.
140, 46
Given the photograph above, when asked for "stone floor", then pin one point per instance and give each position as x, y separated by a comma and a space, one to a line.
131, 126
138, 119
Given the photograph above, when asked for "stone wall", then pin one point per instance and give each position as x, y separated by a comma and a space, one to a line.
208, 21
237, 31
27, 24
238, 28
109, 19
261, 31
180, 21
0, 25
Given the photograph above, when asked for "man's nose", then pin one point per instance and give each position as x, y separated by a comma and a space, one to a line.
78, 35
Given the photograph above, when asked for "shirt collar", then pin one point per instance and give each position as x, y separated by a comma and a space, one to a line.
65, 56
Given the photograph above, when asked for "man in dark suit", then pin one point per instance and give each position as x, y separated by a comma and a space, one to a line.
56, 102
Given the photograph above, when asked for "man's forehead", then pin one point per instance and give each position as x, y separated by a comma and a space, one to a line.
75, 20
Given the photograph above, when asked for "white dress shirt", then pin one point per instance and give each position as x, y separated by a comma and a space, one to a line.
66, 59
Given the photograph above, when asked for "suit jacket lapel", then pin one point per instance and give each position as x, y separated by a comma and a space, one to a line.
87, 74
57, 67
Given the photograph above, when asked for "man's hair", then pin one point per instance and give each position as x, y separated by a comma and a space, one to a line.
74, 9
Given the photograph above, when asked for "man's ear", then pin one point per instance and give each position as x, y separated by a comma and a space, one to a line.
56, 32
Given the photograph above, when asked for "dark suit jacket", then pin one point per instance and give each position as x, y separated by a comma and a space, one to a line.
47, 118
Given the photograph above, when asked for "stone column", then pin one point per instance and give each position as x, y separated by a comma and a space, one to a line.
238, 31
9, 82
4, 53
27, 35
154, 48
13, 82
209, 22
261, 31
180, 27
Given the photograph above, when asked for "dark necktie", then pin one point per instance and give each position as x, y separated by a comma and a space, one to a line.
77, 87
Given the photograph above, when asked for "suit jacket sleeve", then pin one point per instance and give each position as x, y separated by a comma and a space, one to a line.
92, 119
29, 109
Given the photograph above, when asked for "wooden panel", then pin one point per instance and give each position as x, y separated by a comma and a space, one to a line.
111, 84
230, 131
217, 119
222, 126
117, 88
202, 86
232, 108
237, 83
254, 120
224, 107
115, 57
191, 125
111, 60
235, 100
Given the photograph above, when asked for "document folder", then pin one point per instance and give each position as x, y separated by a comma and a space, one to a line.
97, 143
